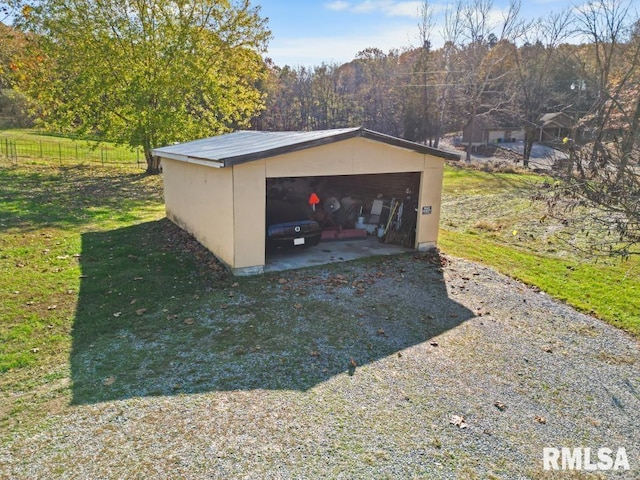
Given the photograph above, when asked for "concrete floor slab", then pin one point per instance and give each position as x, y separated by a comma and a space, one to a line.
329, 252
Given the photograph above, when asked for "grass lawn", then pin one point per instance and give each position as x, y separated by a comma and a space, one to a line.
29, 145
86, 257
490, 218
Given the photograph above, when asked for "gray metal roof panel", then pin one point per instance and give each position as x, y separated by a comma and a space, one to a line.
247, 145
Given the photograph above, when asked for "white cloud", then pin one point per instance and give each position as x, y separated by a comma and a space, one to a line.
317, 50
338, 6
402, 9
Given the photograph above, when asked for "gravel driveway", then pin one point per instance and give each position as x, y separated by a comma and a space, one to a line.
435, 342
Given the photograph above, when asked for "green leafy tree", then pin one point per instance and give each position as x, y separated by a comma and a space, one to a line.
147, 72
14, 107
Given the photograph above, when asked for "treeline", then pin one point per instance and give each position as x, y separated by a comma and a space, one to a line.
416, 94
160, 72
583, 62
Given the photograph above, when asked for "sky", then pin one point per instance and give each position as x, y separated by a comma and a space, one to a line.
312, 32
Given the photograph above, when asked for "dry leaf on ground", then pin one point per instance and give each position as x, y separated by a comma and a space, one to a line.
458, 421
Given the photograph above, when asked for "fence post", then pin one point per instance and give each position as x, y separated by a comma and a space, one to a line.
41, 155
60, 153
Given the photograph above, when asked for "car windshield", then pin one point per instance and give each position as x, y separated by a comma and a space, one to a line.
282, 211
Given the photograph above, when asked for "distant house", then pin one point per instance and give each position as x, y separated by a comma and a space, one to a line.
555, 126
487, 129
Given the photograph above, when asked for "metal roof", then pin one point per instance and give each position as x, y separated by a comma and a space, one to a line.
248, 145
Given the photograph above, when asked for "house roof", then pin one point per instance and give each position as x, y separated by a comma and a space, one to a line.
248, 145
495, 122
556, 118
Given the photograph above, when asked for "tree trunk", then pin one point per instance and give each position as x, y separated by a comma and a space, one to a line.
529, 138
153, 163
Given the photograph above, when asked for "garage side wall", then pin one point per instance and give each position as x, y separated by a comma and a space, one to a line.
199, 199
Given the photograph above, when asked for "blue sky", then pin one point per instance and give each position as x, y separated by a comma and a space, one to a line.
310, 32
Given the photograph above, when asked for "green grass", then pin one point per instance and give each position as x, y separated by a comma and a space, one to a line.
490, 218
30, 145
463, 181
99, 290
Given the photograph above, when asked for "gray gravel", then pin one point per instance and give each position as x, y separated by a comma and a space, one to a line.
525, 372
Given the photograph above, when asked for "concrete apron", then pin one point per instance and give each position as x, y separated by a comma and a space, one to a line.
329, 252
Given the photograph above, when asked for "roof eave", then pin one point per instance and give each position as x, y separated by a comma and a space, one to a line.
187, 159
418, 147
352, 133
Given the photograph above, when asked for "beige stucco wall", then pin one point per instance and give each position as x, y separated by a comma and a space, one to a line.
430, 196
224, 208
249, 206
200, 200
349, 157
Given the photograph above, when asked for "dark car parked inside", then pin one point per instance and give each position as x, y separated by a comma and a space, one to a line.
289, 225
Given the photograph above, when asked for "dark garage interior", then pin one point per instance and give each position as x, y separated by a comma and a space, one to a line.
342, 207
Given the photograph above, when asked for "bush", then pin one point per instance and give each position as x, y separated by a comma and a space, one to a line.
14, 110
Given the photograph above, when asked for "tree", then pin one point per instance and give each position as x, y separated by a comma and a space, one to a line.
482, 61
326, 99
377, 94
14, 106
421, 123
604, 172
147, 72
534, 65
283, 108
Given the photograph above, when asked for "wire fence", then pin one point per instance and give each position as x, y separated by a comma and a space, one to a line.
68, 153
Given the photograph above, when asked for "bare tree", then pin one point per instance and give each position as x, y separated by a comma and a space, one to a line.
600, 182
420, 118
483, 62
451, 32
533, 72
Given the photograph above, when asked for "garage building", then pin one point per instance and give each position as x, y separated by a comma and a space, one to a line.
218, 188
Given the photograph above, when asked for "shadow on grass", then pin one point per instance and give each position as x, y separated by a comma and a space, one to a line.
157, 315
461, 178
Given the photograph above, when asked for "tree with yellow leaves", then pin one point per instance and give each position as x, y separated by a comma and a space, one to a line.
146, 72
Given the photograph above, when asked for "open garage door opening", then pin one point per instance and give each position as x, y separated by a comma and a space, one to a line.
303, 212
